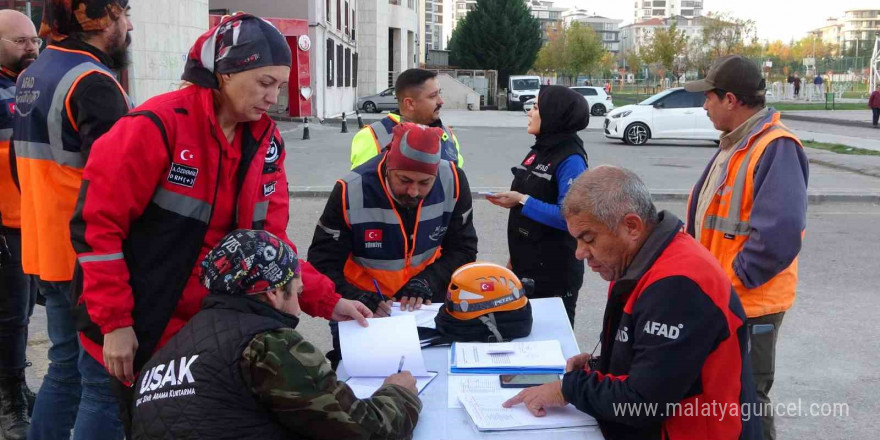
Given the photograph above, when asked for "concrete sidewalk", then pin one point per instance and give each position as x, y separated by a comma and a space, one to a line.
852, 118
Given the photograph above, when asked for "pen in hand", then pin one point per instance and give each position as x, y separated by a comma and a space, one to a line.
400, 365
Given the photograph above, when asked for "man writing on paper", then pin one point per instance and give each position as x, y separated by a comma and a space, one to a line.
674, 339
239, 370
403, 219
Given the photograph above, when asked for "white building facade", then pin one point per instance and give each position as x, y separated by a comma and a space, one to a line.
647, 9
387, 35
608, 29
164, 31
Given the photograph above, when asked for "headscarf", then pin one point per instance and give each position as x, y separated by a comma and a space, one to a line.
248, 262
64, 17
564, 112
238, 43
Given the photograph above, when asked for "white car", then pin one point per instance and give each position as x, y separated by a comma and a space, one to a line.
598, 101
671, 114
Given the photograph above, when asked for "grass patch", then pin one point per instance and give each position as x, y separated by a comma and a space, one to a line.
819, 106
841, 149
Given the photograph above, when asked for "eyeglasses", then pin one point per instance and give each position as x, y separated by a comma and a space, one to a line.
23, 41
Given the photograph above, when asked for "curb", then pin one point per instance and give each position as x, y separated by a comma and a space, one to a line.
826, 120
658, 195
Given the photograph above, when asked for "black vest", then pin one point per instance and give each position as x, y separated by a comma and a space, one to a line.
538, 251
192, 388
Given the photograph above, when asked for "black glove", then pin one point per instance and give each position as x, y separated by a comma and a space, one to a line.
528, 286
415, 288
369, 299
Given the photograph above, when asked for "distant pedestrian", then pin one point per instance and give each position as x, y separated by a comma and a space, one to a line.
874, 103
817, 81
607, 87
797, 85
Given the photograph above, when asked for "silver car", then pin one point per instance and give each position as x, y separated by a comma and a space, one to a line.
376, 103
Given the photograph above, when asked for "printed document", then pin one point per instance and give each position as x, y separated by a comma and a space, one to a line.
488, 414
376, 351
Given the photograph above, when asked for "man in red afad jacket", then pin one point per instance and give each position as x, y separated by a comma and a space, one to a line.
173, 178
674, 362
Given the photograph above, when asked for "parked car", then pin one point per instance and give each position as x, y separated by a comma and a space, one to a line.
599, 101
671, 114
521, 88
376, 103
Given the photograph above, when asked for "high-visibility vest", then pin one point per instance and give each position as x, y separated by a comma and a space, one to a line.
49, 159
10, 199
725, 227
371, 140
381, 250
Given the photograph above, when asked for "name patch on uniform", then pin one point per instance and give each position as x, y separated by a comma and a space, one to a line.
268, 189
183, 175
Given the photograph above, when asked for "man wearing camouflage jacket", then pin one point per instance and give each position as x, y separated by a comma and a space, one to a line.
239, 370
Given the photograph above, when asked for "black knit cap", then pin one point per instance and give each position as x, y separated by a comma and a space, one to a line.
240, 42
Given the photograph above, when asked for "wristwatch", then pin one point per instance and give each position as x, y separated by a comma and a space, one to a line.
523, 200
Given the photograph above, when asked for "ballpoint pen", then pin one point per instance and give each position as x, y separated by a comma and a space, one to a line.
400, 365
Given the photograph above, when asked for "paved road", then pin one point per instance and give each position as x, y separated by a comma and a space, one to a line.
828, 344
666, 166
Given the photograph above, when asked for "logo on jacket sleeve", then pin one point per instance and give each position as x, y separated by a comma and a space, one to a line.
273, 153
530, 160
183, 175
268, 189
11, 107
660, 329
373, 238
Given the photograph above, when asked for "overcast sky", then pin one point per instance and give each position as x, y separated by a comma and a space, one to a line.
775, 19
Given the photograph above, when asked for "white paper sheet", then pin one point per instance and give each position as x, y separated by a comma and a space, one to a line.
375, 351
424, 316
488, 414
364, 387
534, 354
475, 384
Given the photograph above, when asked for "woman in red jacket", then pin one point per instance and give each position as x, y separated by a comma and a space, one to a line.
171, 179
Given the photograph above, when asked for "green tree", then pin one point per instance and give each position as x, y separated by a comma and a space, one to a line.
497, 35
667, 49
633, 62
583, 50
724, 34
551, 57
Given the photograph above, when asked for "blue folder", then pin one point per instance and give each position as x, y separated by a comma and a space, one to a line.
499, 370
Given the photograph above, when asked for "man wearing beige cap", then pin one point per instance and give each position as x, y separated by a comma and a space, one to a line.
749, 207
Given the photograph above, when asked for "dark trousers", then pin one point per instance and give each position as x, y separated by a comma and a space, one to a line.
18, 293
763, 332
875, 116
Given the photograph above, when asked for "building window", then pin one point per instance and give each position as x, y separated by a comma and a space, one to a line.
347, 28
354, 70
353, 24
219, 11
330, 49
347, 67
327, 11
658, 12
340, 60
338, 15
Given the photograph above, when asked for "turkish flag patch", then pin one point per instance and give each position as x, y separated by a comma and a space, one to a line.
530, 160
11, 106
372, 235
487, 287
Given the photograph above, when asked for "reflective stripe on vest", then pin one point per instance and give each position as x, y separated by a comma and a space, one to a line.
186, 206
7, 93
5, 134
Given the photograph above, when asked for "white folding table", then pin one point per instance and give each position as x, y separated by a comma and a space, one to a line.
438, 422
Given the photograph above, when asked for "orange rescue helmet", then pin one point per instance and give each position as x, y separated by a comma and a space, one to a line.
480, 288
